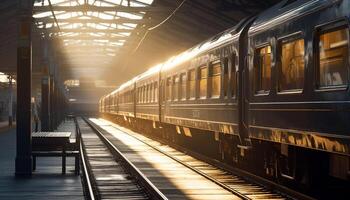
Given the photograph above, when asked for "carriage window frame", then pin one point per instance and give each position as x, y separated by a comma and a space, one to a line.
192, 80
225, 77
203, 78
256, 62
156, 94
323, 29
175, 88
183, 86
216, 64
284, 40
168, 88
233, 75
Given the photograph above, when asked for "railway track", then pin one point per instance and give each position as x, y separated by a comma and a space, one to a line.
240, 187
108, 174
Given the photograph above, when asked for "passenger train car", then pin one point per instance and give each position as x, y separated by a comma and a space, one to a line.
271, 92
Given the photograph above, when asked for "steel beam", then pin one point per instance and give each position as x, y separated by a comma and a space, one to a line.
93, 8
86, 30
95, 20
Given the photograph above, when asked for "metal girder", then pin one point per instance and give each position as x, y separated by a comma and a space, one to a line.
90, 37
86, 30
87, 7
91, 46
94, 20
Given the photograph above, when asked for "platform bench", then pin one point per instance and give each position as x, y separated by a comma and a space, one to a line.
55, 144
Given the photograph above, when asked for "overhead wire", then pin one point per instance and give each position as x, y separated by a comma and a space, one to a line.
158, 25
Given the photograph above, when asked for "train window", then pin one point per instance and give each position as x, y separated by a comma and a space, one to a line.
144, 94
192, 83
333, 58
215, 79
183, 86
203, 82
138, 95
225, 88
291, 76
168, 89
233, 76
141, 95
155, 91
262, 71
176, 88
152, 92
148, 93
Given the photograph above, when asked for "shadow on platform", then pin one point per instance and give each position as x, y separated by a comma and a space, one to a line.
47, 182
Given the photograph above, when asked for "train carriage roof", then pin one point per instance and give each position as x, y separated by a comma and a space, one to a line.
217, 40
286, 11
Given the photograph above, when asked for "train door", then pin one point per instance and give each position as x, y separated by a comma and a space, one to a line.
243, 88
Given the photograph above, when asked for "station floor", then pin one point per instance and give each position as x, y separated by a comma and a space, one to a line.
47, 182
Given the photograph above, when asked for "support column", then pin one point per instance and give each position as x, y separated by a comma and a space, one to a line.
10, 101
24, 75
45, 104
52, 104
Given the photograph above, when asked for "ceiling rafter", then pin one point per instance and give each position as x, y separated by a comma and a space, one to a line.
93, 8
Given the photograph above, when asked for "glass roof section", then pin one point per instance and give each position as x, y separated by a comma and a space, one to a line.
92, 23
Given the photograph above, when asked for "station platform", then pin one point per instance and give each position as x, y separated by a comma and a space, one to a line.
47, 182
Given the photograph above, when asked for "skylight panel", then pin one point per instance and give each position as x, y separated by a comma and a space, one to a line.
67, 15
106, 4
130, 25
54, 2
149, 2
124, 27
125, 33
114, 1
103, 15
43, 14
97, 34
128, 15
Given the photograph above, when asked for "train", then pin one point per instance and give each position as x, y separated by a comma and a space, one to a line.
270, 94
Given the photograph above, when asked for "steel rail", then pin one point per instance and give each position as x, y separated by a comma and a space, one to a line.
226, 187
152, 190
234, 171
90, 193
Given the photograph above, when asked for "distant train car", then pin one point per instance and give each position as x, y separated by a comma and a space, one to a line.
271, 94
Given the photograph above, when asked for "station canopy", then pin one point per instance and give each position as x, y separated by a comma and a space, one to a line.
86, 28
102, 37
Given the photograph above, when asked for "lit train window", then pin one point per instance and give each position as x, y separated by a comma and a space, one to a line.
216, 80
292, 65
333, 58
225, 88
176, 88
203, 82
262, 71
155, 91
140, 94
168, 89
151, 92
233, 76
192, 83
147, 93
183, 86
144, 90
